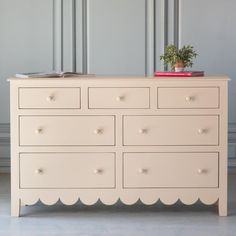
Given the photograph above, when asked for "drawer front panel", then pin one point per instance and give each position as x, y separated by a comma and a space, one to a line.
66, 130
166, 170
188, 97
67, 170
170, 130
44, 98
119, 98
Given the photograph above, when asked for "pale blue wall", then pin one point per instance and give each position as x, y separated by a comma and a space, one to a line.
124, 37
25, 42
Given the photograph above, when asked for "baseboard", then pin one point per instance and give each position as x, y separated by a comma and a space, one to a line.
232, 147
5, 147
232, 171
4, 129
232, 132
4, 170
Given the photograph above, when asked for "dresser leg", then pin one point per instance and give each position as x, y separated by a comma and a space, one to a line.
15, 207
222, 207
23, 204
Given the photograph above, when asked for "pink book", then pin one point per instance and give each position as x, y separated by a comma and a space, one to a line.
179, 74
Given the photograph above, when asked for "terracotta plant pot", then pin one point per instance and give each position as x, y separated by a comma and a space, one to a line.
179, 66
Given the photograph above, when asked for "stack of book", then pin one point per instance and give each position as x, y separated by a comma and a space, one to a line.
178, 74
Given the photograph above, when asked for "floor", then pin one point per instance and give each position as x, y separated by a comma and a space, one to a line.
118, 220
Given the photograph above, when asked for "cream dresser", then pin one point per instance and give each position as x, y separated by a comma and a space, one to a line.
106, 138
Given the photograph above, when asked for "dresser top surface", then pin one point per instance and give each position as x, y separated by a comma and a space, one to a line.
128, 78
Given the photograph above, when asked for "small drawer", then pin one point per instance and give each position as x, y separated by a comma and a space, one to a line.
171, 130
67, 170
170, 170
44, 98
66, 130
119, 98
188, 97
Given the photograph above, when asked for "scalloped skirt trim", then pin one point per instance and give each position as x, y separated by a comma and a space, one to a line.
128, 200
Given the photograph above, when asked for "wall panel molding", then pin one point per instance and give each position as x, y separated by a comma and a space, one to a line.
176, 23
167, 22
71, 49
69, 35
117, 38
82, 32
5, 128
232, 144
172, 22
150, 37
57, 35
232, 132
213, 30
160, 23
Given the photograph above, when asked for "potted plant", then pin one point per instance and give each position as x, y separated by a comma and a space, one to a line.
178, 59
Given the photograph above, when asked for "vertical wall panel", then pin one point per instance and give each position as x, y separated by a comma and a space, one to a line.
210, 28
112, 37
69, 35
161, 31
116, 37
4, 148
150, 37
26, 29
57, 35
29, 42
80, 36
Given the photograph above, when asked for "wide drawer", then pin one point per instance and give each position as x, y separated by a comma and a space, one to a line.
119, 98
43, 98
170, 130
170, 170
67, 170
66, 130
188, 97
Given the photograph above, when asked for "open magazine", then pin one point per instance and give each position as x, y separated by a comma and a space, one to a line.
50, 74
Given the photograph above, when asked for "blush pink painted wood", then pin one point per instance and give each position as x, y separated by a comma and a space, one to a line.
55, 98
155, 170
114, 138
77, 170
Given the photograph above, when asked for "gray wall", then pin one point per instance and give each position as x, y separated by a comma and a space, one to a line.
112, 37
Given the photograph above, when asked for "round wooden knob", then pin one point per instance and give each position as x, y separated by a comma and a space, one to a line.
119, 98
39, 131
142, 131
201, 171
97, 131
50, 98
38, 171
97, 171
142, 171
201, 131
188, 98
